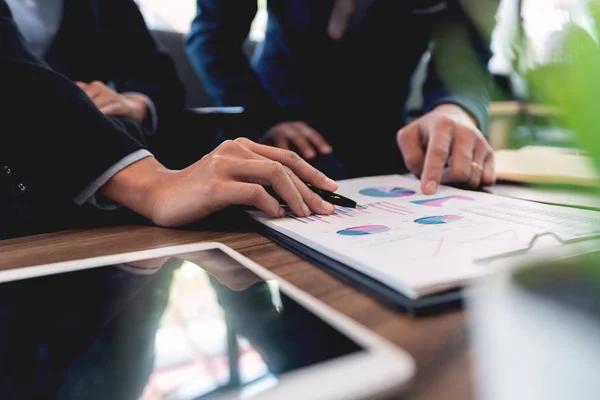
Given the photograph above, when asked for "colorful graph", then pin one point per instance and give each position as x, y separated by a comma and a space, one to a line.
439, 201
389, 207
363, 230
340, 212
387, 191
344, 212
438, 219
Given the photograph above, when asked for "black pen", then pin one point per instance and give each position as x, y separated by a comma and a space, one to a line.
330, 197
334, 198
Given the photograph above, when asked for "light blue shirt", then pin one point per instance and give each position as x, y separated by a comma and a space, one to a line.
38, 21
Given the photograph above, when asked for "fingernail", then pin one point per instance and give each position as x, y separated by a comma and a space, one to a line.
327, 149
327, 206
431, 187
310, 154
282, 212
306, 210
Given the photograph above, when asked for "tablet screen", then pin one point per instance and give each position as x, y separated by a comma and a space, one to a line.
181, 327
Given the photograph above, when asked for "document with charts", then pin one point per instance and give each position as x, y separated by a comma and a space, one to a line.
420, 244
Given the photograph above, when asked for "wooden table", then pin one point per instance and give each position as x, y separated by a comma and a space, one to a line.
438, 343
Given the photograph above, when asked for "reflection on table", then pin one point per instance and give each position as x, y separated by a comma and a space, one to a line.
155, 330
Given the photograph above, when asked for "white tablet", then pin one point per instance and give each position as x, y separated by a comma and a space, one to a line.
197, 321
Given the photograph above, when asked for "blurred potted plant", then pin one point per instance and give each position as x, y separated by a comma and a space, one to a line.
536, 329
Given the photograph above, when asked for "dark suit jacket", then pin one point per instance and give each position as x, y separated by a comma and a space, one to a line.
107, 40
53, 140
353, 90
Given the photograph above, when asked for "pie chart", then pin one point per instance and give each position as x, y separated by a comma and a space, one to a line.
438, 219
386, 191
363, 230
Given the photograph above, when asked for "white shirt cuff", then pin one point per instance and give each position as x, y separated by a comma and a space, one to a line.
151, 116
88, 194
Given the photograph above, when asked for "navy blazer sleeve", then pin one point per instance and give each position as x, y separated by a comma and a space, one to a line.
215, 49
135, 61
51, 132
458, 71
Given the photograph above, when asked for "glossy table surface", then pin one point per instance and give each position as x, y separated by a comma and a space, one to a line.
438, 343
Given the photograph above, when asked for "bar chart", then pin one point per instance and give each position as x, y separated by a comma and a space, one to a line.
347, 213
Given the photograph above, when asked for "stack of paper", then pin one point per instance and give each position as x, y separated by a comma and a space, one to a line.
538, 164
419, 244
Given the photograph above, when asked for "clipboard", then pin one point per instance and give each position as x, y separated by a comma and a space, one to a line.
447, 300
427, 305
414, 280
